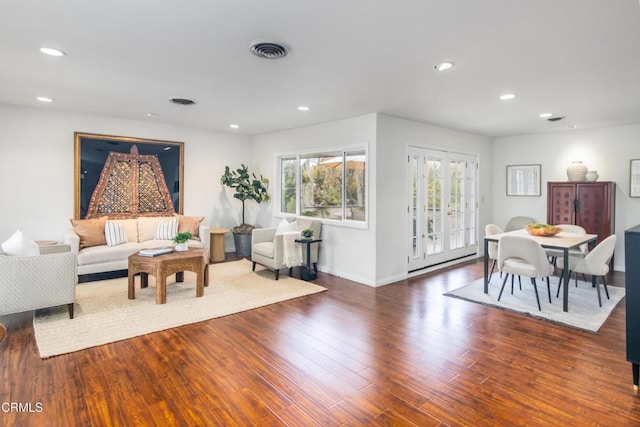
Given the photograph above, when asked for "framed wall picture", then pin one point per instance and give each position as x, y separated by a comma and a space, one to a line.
634, 178
126, 177
523, 180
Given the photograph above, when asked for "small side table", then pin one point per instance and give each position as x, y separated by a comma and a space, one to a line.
216, 241
306, 271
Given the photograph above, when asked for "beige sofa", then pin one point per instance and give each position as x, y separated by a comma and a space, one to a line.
141, 234
267, 248
41, 281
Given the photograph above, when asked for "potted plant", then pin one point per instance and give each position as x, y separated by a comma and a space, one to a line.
180, 240
307, 233
247, 187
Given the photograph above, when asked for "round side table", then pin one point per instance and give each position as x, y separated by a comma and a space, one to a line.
217, 244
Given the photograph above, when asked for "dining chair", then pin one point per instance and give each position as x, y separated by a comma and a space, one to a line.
595, 264
518, 222
525, 257
556, 254
489, 230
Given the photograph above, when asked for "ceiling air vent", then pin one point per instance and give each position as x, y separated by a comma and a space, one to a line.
182, 101
268, 50
555, 119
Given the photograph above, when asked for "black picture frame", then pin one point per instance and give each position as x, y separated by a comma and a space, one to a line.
91, 152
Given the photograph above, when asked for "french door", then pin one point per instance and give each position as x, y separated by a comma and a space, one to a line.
442, 208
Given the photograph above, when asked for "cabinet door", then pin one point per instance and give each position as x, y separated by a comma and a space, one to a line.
593, 209
560, 206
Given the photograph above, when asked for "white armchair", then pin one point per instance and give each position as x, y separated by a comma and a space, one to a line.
33, 282
267, 248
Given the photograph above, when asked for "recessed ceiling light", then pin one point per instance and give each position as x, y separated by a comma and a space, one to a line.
443, 66
234, 126
507, 96
153, 115
304, 108
545, 115
44, 99
571, 126
51, 51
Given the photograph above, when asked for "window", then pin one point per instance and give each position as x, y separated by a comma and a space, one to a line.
329, 184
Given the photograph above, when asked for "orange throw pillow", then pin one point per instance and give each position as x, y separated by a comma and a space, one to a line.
91, 231
190, 223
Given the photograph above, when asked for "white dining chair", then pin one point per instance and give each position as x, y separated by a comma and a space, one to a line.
595, 264
525, 257
492, 248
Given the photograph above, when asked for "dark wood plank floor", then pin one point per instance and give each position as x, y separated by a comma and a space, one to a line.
402, 354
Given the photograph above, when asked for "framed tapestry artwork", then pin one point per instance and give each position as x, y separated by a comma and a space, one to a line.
634, 178
126, 177
523, 180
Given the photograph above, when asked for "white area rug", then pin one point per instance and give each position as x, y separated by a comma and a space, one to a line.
104, 314
584, 312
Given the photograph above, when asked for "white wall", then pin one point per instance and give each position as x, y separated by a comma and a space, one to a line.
36, 167
394, 135
346, 252
607, 150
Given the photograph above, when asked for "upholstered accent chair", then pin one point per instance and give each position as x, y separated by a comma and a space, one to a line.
41, 281
267, 248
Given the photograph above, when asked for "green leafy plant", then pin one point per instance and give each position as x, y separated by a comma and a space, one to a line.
307, 233
182, 237
247, 187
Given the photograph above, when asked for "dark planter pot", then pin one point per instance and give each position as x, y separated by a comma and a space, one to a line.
243, 244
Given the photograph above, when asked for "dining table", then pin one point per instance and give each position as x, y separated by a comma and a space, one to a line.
563, 241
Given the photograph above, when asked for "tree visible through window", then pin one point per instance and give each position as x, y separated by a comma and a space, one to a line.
327, 185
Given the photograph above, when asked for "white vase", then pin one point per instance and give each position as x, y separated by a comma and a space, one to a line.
592, 176
577, 171
180, 247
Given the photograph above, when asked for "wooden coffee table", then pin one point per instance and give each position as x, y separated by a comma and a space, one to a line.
163, 266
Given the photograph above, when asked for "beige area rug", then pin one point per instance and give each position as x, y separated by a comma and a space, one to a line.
584, 312
104, 314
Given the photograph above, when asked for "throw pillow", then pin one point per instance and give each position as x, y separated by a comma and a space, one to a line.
20, 245
91, 231
115, 233
148, 226
191, 224
286, 226
167, 229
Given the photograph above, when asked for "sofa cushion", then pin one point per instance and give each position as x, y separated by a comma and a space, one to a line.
90, 231
147, 227
264, 248
103, 254
167, 229
114, 233
20, 245
191, 224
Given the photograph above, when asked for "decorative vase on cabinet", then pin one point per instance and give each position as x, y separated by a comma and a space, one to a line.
577, 171
592, 176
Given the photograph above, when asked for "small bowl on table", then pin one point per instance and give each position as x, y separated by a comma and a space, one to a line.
542, 230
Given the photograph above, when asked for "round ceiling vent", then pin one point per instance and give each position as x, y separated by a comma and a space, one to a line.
555, 119
269, 50
182, 101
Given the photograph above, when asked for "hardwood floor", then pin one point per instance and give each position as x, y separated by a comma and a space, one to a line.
402, 354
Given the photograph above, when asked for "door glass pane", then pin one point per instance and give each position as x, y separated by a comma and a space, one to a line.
415, 231
472, 202
433, 172
456, 204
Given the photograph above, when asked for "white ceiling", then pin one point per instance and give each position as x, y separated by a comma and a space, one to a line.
126, 58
